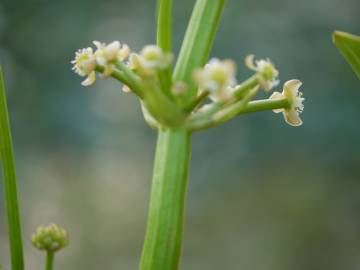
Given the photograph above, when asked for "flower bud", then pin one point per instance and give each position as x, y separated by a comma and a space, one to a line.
152, 57
266, 72
50, 238
217, 77
84, 65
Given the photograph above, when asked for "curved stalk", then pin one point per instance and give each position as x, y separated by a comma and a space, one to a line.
9, 179
163, 240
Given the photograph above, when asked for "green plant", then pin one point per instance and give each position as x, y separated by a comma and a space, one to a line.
179, 100
9, 180
176, 101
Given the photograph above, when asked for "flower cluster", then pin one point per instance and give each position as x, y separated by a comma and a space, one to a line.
218, 78
50, 238
148, 75
106, 56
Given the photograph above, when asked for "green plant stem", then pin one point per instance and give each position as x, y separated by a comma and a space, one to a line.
265, 105
197, 42
164, 39
49, 260
215, 117
9, 179
164, 25
163, 240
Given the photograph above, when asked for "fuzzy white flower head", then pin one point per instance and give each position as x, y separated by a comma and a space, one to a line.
217, 77
107, 55
267, 73
84, 65
112, 52
292, 94
153, 57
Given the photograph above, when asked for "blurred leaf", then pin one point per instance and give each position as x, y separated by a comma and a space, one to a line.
349, 46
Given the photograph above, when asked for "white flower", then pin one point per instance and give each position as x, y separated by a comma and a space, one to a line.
112, 52
152, 57
107, 55
267, 73
84, 65
295, 99
217, 77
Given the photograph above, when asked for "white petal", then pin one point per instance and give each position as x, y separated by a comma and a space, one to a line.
90, 79
249, 62
292, 118
291, 88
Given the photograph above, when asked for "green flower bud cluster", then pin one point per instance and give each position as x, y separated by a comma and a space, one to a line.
50, 238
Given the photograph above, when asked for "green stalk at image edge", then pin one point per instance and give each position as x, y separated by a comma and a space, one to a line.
164, 234
9, 180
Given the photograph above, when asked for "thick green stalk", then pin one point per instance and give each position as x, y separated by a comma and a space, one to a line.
9, 179
163, 240
198, 41
49, 260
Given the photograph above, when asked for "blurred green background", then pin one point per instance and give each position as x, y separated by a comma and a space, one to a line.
262, 195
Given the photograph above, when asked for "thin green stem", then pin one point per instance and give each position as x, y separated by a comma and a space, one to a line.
122, 77
197, 42
164, 23
242, 89
265, 105
163, 241
214, 117
164, 39
50, 255
9, 179
196, 102
133, 79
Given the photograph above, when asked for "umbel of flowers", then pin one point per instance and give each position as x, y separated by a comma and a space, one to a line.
219, 97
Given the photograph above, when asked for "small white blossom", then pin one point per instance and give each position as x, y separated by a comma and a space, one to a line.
112, 52
217, 77
153, 57
292, 94
134, 61
84, 65
267, 73
107, 55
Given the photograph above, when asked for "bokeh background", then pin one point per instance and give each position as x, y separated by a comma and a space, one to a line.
262, 195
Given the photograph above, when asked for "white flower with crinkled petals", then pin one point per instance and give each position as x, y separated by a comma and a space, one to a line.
107, 55
295, 99
84, 65
114, 51
267, 73
217, 77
